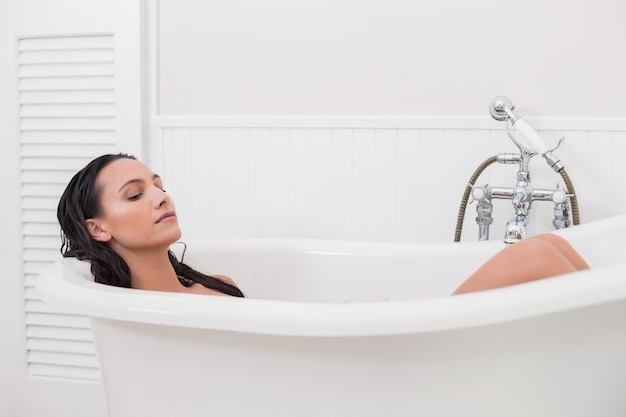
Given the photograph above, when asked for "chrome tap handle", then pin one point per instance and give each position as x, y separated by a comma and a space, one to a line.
484, 208
561, 209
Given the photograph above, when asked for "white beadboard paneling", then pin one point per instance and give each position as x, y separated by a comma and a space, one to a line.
385, 184
319, 173
408, 194
318, 178
617, 196
598, 177
363, 176
239, 182
341, 184
301, 182
198, 184
280, 148
218, 175
259, 177
430, 160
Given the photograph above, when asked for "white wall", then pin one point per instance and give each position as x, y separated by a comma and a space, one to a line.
417, 57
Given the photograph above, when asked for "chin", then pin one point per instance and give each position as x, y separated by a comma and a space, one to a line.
176, 236
171, 236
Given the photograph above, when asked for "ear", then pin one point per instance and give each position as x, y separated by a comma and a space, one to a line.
98, 230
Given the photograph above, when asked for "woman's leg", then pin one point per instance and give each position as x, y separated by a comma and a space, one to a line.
565, 248
539, 257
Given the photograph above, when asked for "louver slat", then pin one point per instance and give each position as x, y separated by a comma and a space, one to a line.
67, 110
67, 117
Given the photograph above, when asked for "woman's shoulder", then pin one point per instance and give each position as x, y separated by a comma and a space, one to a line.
226, 279
198, 288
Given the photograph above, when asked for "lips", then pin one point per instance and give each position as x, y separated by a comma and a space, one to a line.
169, 214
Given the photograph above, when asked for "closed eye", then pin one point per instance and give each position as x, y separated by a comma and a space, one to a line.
135, 197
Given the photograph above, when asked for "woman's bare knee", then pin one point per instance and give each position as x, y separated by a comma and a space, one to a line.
526, 261
565, 248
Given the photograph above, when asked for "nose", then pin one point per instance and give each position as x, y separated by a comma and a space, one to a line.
161, 198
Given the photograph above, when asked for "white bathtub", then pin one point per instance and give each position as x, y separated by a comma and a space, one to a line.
295, 347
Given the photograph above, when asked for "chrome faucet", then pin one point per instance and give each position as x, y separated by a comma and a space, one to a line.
523, 194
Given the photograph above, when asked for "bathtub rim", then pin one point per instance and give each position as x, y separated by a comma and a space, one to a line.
78, 294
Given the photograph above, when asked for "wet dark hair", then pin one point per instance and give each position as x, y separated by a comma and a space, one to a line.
81, 201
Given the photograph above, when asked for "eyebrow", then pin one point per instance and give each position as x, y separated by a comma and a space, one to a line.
137, 180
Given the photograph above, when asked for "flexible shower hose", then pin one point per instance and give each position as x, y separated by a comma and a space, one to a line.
573, 200
470, 185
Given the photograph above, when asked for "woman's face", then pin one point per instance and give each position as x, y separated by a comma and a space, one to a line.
137, 214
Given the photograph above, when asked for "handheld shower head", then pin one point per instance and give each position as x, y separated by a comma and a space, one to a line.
501, 109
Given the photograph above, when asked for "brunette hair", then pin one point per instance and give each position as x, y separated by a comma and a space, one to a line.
81, 201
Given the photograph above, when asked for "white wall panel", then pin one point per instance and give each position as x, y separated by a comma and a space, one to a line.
408, 195
279, 165
617, 197
341, 143
369, 183
385, 184
259, 181
363, 176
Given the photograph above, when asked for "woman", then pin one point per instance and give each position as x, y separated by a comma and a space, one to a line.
116, 214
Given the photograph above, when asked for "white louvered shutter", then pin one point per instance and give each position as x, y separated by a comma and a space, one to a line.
66, 117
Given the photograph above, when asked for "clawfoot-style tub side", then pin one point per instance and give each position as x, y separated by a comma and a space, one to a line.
362, 329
